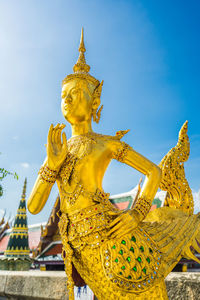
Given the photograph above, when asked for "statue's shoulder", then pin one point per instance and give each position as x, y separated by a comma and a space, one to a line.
117, 137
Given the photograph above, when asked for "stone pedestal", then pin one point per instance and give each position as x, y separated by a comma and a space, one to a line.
183, 286
51, 285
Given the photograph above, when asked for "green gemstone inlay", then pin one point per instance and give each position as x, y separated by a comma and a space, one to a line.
139, 259
116, 260
142, 248
120, 273
121, 252
135, 269
144, 270
123, 267
148, 260
132, 249
129, 277
129, 259
133, 239
114, 247
150, 250
123, 242
140, 277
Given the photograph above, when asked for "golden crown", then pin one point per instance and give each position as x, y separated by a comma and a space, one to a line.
81, 69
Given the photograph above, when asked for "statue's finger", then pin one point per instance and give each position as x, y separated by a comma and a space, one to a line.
57, 126
53, 136
64, 138
49, 137
113, 229
115, 221
58, 136
114, 213
56, 129
123, 232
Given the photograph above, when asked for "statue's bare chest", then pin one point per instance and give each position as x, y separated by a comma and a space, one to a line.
83, 154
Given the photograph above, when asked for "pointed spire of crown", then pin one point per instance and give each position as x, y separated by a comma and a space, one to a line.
82, 45
81, 69
81, 66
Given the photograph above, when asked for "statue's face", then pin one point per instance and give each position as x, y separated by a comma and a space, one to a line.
77, 101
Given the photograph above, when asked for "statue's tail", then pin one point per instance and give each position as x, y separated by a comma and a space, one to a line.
179, 194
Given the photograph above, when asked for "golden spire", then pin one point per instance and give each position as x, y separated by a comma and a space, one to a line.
81, 69
82, 45
81, 66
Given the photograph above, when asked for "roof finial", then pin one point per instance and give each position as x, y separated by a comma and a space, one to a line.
24, 189
81, 66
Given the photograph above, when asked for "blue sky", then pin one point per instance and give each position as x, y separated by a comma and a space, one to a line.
147, 53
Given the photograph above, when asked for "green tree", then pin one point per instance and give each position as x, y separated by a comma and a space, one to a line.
3, 174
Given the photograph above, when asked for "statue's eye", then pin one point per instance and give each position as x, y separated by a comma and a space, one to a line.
74, 91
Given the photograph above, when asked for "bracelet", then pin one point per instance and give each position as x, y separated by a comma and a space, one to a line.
121, 152
47, 174
142, 206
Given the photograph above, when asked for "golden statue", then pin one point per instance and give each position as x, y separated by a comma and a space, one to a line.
119, 254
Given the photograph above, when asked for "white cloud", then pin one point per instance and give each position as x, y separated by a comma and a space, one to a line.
196, 196
25, 165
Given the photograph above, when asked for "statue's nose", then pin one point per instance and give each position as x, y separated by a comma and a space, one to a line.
68, 100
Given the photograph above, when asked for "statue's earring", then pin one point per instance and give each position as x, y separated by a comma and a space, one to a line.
97, 94
97, 114
94, 111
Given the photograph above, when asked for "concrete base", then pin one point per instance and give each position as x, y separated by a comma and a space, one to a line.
183, 286
41, 285
29, 285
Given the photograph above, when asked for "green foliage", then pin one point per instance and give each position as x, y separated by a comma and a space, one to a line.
3, 174
1, 190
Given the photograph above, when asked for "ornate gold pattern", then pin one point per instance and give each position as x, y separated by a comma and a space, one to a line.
179, 194
47, 174
121, 152
133, 262
143, 206
67, 254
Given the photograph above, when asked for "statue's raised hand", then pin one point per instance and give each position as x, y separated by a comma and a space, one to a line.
56, 147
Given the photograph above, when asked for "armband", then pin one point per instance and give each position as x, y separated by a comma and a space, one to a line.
47, 174
121, 152
142, 206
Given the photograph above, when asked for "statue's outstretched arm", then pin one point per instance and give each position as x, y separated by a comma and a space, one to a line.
56, 154
130, 219
148, 168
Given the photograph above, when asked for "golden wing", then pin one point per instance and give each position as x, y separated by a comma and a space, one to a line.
179, 194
